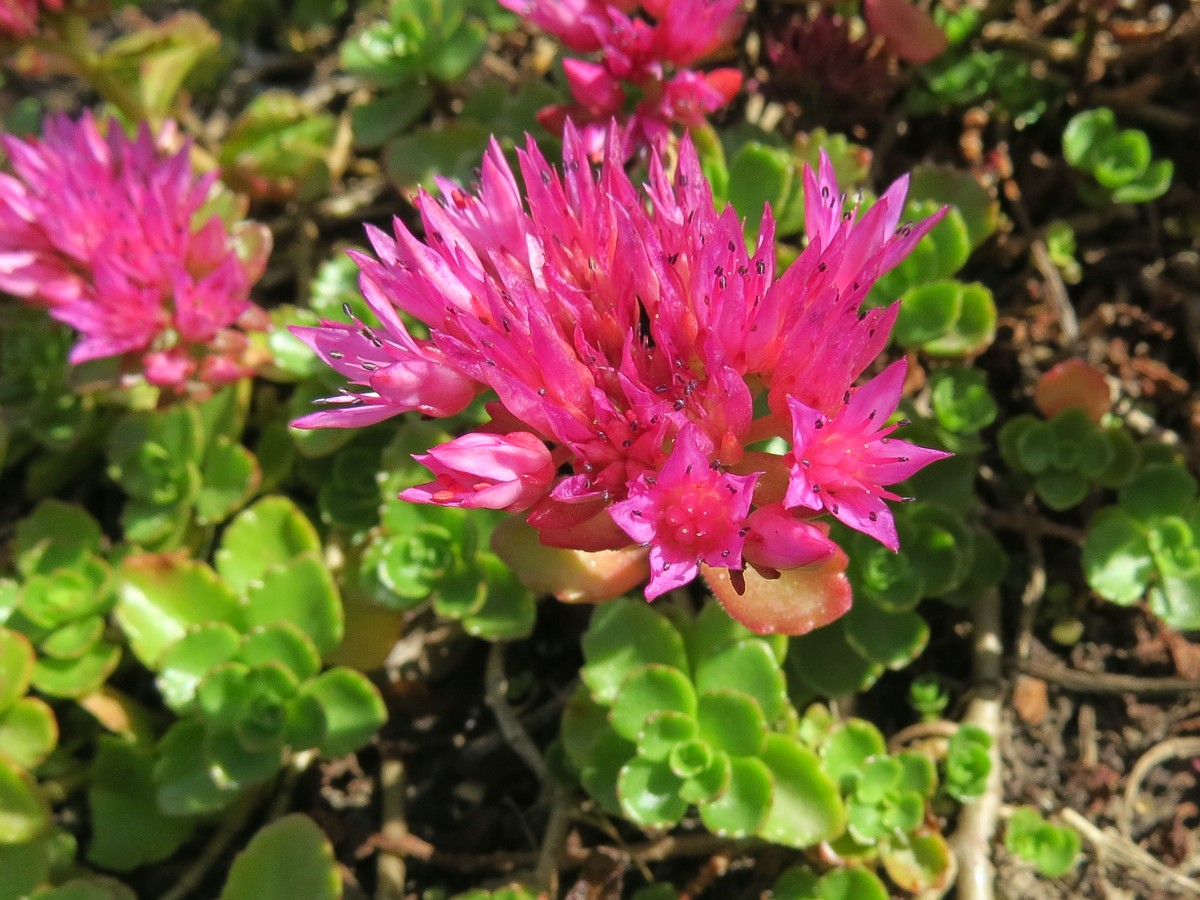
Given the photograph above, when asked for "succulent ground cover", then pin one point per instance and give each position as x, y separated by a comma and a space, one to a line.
453, 448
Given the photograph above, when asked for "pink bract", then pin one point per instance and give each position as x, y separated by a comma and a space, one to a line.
634, 335
110, 235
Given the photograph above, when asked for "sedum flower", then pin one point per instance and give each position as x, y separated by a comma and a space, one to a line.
688, 513
486, 471
635, 55
634, 336
19, 18
842, 463
114, 238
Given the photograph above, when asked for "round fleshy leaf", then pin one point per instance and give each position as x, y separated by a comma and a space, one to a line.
284, 643
892, 639
269, 533
848, 747
230, 476
647, 690
741, 810
748, 666
714, 628
599, 777
56, 526
182, 665
128, 828
23, 867
300, 591
1176, 600
354, 711
236, 765
851, 884
918, 773
708, 783
160, 597
74, 639
183, 775
824, 660
1117, 560
649, 794
879, 777
662, 732
732, 721
509, 608
286, 860
304, 722
58, 598
28, 732
1061, 490
917, 862
94, 887
584, 722
227, 692
690, 758
1159, 489
807, 807
23, 813
796, 883
796, 602
16, 666
624, 635
75, 677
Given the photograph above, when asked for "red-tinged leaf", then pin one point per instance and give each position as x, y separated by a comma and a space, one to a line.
795, 603
907, 30
573, 576
1073, 383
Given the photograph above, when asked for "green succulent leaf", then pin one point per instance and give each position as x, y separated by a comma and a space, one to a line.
649, 794
647, 690
624, 635
270, 533
354, 710
24, 814
824, 660
917, 862
892, 639
806, 807
743, 807
1117, 560
54, 534
302, 592
281, 642
28, 732
287, 859
662, 732
584, 721
161, 597
230, 476
732, 722
748, 666
849, 745
129, 830
78, 676
16, 666
1053, 849
23, 865
184, 664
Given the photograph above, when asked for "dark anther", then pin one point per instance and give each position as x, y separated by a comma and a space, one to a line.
846, 397
369, 366
336, 354
661, 389
822, 267
806, 462
819, 424
541, 392
627, 443
903, 422
672, 258
688, 470
680, 404
901, 459
874, 517
731, 489
725, 553
816, 489
761, 267
346, 309
719, 271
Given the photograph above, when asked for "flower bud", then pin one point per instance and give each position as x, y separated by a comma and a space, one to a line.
490, 471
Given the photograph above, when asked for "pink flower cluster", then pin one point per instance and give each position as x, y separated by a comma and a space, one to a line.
114, 238
639, 357
651, 59
19, 18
